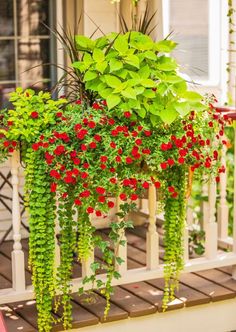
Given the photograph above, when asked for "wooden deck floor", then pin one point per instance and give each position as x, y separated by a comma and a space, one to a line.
136, 299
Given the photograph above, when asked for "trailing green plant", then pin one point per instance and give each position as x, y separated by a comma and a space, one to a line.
134, 125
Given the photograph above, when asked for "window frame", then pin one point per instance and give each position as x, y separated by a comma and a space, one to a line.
217, 40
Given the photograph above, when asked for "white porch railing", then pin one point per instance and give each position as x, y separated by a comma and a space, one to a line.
215, 223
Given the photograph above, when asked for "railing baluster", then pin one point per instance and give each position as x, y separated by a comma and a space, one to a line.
223, 209
204, 205
121, 250
18, 263
211, 225
234, 220
86, 263
152, 244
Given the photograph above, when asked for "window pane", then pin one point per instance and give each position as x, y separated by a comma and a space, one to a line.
32, 54
6, 18
190, 24
5, 89
7, 61
30, 15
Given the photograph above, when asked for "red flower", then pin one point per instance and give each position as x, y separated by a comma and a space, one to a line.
140, 128
73, 154
207, 164
123, 196
145, 185
113, 145
85, 193
110, 204
146, 151
100, 190
138, 141
133, 197
84, 175
7, 143
35, 146
114, 132
134, 133
101, 199
126, 182
128, 160
127, 114
103, 159
83, 147
217, 179
97, 138
164, 147
96, 106
118, 159
86, 165
53, 173
68, 179
147, 133
210, 124
90, 210
81, 134
163, 165
112, 170
92, 145
34, 115
53, 187
78, 102
111, 122
75, 171
171, 189
183, 152
59, 114
113, 180
9, 123
170, 162
157, 184
98, 213
77, 202
76, 161
60, 149
181, 160
103, 166
174, 195
77, 127
120, 151
91, 124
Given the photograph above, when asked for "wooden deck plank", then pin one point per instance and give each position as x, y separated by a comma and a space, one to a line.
80, 317
27, 311
188, 296
219, 277
4, 283
14, 322
134, 305
216, 292
95, 304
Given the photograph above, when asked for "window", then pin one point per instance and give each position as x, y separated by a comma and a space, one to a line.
196, 27
24, 44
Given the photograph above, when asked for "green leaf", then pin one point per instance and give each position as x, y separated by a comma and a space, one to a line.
168, 115
166, 63
183, 108
104, 93
112, 101
129, 93
98, 55
94, 266
192, 96
121, 87
112, 81
149, 93
90, 75
83, 42
115, 65
132, 60
154, 119
141, 112
198, 107
144, 72
133, 104
101, 66
121, 45
150, 55
147, 83
165, 46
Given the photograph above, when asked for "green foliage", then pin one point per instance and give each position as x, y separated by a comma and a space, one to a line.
131, 72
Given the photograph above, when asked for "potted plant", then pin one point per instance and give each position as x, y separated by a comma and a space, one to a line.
133, 124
